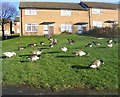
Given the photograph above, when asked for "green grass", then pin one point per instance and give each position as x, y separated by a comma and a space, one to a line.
54, 70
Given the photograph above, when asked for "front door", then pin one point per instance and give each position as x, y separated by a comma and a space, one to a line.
51, 30
45, 28
80, 29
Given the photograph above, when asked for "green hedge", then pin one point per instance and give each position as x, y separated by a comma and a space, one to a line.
104, 32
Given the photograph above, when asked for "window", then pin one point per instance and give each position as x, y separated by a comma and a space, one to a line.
97, 11
30, 12
97, 24
18, 23
66, 27
31, 28
66, 12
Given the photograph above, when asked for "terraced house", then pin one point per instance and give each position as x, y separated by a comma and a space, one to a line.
39, 18
102, 14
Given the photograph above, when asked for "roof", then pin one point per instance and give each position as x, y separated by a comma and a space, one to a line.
46, 23
109, 21
102, 5
81, 23
50, 5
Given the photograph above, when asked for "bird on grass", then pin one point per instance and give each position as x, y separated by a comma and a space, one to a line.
34, 57
110, 45
96, 43
64, 49
21, 47
89, 45
81, 53
70, 41
37, 52
110, 40
32, 44
96, 64
42, 43
51, 45
9, 54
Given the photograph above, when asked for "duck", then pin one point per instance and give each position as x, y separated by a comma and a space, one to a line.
34, 58
109, 45
37, 52
64, 49
9, 54
96, 64
81, 53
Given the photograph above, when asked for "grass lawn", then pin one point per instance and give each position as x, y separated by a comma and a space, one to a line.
57, 70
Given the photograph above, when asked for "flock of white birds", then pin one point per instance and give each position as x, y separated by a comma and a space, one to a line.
36, 53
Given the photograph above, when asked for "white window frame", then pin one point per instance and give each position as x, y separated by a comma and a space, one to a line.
18, 23
97, 24
97, 11
18, 30
31, 25
66, 12
30, 12
66, 27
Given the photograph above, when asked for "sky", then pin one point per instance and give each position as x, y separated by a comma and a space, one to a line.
73, 1
16, 2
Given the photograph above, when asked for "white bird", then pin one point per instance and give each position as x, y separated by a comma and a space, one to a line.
9, 54
96, 63
37, 52
110, 45
64, 49
81, 53
34, 58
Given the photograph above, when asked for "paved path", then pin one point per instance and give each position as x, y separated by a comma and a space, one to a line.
10, 90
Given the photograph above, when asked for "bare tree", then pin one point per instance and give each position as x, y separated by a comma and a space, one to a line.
8, 12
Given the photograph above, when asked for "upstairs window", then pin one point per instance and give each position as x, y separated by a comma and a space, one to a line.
31, 27
97, 11
66, 12
30, 12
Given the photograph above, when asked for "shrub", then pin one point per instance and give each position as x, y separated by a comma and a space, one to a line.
104, 32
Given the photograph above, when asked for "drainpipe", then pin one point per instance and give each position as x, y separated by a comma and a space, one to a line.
89, 18
21, 34
11, 32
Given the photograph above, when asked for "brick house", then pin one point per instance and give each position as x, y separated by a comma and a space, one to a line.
15, 27
100, 13
39, 18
